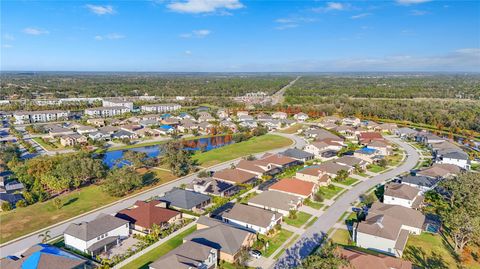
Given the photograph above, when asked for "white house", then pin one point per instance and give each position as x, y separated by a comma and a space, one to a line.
252, 218
279, 115
96, 236
453, 156
118, 103
300, 116
25, 117
387, 227
105, 112
351, 121
402, 194
160, 108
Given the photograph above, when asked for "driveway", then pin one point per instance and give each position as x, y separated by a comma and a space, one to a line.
314, 234
16, 247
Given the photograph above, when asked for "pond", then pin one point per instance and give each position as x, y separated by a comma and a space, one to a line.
114, 158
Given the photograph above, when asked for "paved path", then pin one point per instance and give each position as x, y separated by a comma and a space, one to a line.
314, 234
277, 97
17, 246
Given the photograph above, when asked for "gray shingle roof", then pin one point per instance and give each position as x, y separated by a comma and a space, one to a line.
420, 181
89, 230
184, 199
297, 154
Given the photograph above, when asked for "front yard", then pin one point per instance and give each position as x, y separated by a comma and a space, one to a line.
301, 219
313, 204
341, 237
330, 191
275, 242
376, 168
143, 261
348, 181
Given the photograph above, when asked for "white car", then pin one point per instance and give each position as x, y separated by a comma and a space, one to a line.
255, 253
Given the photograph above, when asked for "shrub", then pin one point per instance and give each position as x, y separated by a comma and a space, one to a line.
21, 203
6, 206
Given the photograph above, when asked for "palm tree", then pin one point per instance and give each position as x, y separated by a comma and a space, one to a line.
45, 237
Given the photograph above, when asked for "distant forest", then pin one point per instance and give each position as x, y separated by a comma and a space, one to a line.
62, 85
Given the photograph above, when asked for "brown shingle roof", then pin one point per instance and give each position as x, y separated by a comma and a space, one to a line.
251, 215
294, 186
277, 159
402, 191
360, 260
145, 214
234, 175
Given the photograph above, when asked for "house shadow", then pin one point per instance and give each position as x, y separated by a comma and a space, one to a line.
300, 250
423, 260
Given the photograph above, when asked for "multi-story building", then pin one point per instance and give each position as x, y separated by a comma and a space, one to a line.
106, 111
117, 103
25, 117
160, 108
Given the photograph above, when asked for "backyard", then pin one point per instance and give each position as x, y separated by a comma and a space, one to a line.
252, 146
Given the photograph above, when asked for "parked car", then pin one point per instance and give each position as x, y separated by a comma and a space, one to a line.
255, 253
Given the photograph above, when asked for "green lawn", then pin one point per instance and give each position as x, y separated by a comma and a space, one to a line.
363, 174
432, 251
46, 146
311, 222
276, 241
237, 150
312, 204
394, 160
341, 237
302, 217
330, 191
143, 261
294, 238
375, 168
292, 129
349, 181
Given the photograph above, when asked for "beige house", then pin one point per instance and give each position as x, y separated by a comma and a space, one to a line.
72, 140
314, 175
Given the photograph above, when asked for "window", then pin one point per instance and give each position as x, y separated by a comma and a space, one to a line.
98, 238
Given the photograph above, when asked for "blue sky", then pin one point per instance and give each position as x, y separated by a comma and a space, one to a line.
238, 35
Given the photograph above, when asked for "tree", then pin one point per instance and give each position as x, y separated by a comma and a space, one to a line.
58, 202
45, 237
460, 214
382, 163
177, 158
120, 181
292, 214
21, 203
341, 175
326, 257
137, 159
6, 206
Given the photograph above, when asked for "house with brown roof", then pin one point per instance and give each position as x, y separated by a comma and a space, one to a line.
403, 195
365, 138
252, 218
235, 176
386, 127
313, 174
438, 170
258, 167
361, 260
279, 160
72, 140
211, 186
352, 161
143, 215
297, 187
387, 227
319, 148
276, 201
332, 169
382, 147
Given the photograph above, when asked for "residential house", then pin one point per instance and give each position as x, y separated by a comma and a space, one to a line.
56, 131
96, 236
160, 108
332, 126
386, 228
149, 132
332, 169
210, 186
85, 129
276, 201
365, 138
188, 255
117, 103
321, 134
131, 127
26, 117
171, 121
279, 160
361, 260
325, 149
98, 136
352, 162
242, 118
142, 216
122, 134
227, 239
348, 132
44, 256
235, 176
423, 183
405, 133
257, 167
351, 121
438, 170
187, 125
301, 188
104, 112
205, 116
403, 195
452, 156
13, 186
382, 147
279, 115
272, 124
300, 117
331, 119
428, 138
230, 125
249, 124
96, 122
298, 154
252, 218
72, 140
205, 127
184, 199
11, 198
386, 127
370, 125
313, 174
222, 114
262, 117
367, 154
242, 113
149, 123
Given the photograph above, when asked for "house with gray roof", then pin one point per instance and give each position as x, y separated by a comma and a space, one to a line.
276, 201
188, 255
252, 218
227, 239
96, 236
211, 186
298, 154
402, 194
185, 199
11, 198
423, 183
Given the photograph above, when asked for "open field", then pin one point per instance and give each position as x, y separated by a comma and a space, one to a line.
149, 257
292, 129
252, 146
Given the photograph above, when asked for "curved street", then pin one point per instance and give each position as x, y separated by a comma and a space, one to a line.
314, 234
17, 246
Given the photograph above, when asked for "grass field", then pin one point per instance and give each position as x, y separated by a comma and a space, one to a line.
329, 192
22, 221
42, 143
302, 217
349, 181
143, 261
294, 238
252, 146
277, 241
375, 168
432, 251
341, 237
292, 129
310, 223
312, 204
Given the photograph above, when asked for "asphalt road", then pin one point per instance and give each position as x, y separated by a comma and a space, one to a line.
313, 235
277, 98
16, 247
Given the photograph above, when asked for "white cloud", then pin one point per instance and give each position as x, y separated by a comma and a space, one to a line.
7, 46
8, 37
360, 16
332, 6
412, 2
196, 33
188, 52
205, 6
286, 26
101, 10
417, 12
112, 36
292, 22
35, 31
